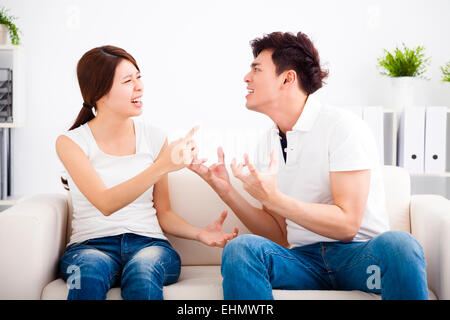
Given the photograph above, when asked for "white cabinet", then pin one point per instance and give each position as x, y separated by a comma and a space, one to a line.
423, 183
11, 62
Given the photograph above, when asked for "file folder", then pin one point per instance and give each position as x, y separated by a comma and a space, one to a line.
411, 139
435, 139
374, 117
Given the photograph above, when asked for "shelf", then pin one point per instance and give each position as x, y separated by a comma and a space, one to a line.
434, 175
389, 110
11, 125
12, 57
10, 201
9, 47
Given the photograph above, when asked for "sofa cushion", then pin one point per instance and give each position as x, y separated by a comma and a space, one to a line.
205, 283
397, 187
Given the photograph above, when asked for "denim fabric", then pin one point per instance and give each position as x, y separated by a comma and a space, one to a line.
140, 265
391, 264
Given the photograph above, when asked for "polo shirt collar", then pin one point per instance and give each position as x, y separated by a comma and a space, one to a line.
308, 117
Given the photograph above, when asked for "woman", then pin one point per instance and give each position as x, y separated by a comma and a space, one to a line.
117, 170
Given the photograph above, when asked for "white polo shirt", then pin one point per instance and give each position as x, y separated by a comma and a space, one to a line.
326, 139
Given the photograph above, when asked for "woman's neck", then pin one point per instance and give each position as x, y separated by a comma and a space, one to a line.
111, 128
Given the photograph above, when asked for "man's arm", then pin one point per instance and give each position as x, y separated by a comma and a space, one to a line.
258, 221
340, 221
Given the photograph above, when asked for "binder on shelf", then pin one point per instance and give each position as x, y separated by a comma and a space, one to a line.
374, 117
411, 139
435, 139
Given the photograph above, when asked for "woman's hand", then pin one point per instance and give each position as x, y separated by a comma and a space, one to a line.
179, 153
213, 234
215, 175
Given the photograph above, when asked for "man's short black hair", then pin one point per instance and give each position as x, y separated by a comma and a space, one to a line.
293, 52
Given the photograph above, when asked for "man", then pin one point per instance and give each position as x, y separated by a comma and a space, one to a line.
323, 223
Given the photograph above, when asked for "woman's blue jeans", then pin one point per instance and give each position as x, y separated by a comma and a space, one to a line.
391, 264
140, 265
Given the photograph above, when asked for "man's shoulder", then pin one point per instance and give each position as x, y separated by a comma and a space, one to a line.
337, 114
339, 118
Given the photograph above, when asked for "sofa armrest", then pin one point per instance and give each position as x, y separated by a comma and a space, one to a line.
430, 225
32, 239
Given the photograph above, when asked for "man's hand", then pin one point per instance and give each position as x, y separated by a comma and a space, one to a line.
215, 175
261, 186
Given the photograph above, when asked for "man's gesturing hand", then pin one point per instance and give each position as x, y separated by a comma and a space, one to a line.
261, 186
215, 175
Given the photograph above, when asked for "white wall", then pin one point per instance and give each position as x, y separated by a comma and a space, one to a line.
193, 56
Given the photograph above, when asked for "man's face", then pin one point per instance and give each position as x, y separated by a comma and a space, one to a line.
263, 83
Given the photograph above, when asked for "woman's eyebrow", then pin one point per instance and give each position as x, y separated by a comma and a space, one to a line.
127, 76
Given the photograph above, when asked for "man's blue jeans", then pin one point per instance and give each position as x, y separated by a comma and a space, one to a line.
140, 265
391, 264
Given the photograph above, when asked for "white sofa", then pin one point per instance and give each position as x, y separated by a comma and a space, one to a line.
34, 232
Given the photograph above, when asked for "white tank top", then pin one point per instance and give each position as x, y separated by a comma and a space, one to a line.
138, 217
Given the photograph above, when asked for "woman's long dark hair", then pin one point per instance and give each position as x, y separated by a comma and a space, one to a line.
95, 72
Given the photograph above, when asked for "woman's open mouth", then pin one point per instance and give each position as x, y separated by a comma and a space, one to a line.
137, 102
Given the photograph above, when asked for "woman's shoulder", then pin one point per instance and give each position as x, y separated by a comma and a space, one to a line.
78, 135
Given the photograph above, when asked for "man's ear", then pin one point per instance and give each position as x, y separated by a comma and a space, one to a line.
290, 77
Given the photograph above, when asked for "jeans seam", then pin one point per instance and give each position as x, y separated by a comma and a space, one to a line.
358, 261
284, 256
329, 271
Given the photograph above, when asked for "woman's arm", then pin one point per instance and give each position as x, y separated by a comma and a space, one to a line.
172, 223
262, 222
113, 199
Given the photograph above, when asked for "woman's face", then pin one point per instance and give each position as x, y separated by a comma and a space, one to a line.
124, 98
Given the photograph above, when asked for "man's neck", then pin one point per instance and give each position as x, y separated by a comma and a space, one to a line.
289, 112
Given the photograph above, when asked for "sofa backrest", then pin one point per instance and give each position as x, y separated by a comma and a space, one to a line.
197, 203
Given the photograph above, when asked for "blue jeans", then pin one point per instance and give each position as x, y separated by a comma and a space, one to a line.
140, 265
391, 264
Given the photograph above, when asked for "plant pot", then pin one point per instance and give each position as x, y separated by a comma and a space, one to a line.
3, 34
444, 92
402, 93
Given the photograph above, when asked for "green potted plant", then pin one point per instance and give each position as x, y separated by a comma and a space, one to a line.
7, 25
444, 88
404, 66
446, 72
